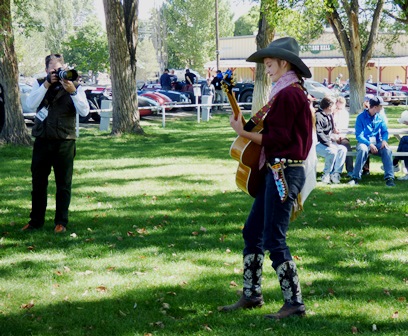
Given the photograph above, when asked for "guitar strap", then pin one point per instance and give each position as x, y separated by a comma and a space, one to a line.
258, 116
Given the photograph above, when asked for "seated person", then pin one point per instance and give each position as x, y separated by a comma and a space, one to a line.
402, 147
372, 136
366, 105
334, 154
341, 119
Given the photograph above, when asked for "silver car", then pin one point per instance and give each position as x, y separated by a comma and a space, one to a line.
25, 90
318, 90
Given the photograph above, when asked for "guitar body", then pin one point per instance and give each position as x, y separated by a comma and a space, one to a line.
248, 176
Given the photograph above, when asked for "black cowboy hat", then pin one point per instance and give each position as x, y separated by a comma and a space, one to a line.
285, 48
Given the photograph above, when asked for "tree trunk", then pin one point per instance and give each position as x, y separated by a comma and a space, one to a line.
263, 38
14, 130
121, 28
350, 42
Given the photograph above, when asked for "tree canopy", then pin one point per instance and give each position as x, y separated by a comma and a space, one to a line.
190, 31
87, 48
55, 26
247, 24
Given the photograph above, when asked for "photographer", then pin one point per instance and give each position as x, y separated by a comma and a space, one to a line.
57, 99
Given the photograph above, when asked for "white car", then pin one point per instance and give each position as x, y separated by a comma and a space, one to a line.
25, 90
318, 90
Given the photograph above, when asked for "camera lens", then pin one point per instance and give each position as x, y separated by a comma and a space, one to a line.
68, 74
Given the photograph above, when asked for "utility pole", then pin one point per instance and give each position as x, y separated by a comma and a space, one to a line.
217, 51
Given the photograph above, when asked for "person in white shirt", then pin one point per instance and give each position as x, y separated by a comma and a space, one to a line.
341, 119
334, 154
57, 99
398, 81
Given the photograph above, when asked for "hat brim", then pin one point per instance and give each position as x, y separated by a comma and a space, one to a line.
273, 52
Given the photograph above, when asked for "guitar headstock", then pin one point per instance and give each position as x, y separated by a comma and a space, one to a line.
228, 81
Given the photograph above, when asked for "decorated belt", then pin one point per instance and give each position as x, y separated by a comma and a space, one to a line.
287, 161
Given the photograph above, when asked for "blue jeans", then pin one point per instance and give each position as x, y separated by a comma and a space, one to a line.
402, 147
268, 221
334, 157
362, 155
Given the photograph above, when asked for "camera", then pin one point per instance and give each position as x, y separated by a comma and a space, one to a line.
67, 74
71, 75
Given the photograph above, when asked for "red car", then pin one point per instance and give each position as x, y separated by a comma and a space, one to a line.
147, 106
162, 99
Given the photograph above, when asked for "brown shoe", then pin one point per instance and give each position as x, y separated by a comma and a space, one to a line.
59, 228
287, 310
244, 303
28, 227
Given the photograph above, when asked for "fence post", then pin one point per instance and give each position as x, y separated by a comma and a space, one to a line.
77, 125
198, 109
106, 114
163, 116
197, 93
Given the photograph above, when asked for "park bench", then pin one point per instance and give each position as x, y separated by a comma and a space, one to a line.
395, 132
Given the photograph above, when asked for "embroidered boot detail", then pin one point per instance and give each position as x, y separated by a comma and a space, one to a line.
290, 286
252, 290
253, 274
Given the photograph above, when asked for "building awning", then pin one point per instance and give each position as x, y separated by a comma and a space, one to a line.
313, 62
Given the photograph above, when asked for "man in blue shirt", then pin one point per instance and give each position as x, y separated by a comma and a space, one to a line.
165, 80
372, 136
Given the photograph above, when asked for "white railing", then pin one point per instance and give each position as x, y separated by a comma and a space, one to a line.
106, 113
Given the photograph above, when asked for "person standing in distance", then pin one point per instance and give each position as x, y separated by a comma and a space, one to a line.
165, 80
57, 102
219, 93
190, 77
286, 140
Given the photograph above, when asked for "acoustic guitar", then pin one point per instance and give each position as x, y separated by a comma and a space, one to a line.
246, 152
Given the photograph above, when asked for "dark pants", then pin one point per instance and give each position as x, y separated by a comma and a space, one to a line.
58, 154
349, 160
402, 147
268, 221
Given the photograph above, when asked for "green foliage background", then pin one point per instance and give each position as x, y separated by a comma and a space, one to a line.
191, 31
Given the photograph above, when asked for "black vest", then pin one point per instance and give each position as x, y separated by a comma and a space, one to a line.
60, 123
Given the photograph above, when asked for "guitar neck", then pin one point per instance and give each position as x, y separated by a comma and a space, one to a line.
234, 105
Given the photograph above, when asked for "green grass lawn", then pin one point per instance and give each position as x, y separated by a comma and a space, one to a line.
154, 244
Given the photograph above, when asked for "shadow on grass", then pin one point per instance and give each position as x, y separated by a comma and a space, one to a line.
171, 310
337, 245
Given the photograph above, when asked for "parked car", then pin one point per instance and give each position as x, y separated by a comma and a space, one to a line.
25, 90
243, 93
397, 96
96, 95
402, 88
147, 106
372, 89
151, 87
162, 99
178, 96
317, 90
